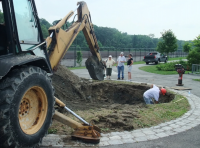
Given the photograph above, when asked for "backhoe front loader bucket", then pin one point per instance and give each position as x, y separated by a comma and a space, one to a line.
95, 68
85, 132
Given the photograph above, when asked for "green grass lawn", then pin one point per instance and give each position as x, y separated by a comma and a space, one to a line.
135, 63
83, 67
159, 113
153, 69
73, 68
196, 80
177, 58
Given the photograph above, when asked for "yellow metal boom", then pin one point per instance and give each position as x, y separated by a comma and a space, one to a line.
62, 39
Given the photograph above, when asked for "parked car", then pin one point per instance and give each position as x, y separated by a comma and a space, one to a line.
155, 57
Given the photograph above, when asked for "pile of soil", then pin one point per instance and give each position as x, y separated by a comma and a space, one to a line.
121, 118
122, 98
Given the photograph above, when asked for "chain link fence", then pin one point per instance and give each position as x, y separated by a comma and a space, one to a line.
196, 68
69, 59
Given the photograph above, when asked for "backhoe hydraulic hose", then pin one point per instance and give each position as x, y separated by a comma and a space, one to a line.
61, 104
77, 116
51, 35
94, 37
38, 45
74, 18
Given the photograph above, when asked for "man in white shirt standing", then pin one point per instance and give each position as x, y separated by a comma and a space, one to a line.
120, 65
154, 92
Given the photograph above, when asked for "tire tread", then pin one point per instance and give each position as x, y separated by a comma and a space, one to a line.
8, 86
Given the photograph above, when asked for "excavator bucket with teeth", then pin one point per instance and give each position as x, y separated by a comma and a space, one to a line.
95, 68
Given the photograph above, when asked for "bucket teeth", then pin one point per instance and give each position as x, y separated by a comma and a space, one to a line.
95, 68
87, 134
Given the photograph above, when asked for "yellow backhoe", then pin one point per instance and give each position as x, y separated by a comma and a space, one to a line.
26, 65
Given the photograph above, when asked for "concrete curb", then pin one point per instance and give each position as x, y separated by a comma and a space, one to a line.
184, 123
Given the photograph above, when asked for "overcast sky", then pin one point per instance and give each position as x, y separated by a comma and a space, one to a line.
134, 16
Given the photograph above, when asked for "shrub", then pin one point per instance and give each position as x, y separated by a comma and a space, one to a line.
194, 54
170, 66
79, 57
193, 57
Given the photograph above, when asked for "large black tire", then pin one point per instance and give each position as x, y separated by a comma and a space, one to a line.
147, 63
13, 90
156, 63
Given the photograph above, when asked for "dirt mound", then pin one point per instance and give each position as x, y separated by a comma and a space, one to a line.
114, 104
66, 84
119, 119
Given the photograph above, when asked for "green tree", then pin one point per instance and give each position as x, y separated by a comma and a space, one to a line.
45, 26
45, 23
79, 57
99, 43
1, 17
194, 54
111, 37
151, 35
196, 43
193, 57
186, 47
168, 42
44, 31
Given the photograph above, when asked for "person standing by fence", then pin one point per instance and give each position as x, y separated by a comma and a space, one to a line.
120, 65
109, 63
129, 65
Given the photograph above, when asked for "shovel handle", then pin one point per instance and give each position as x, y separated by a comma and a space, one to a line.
60, 103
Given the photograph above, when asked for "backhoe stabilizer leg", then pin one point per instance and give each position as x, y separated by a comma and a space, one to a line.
66, 120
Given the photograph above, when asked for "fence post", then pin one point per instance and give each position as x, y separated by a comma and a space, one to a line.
75, 57
116, 54
192, 68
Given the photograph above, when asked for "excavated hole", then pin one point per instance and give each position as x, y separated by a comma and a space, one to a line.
113, 106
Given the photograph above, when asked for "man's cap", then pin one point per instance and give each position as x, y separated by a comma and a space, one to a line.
122, 53
110, 56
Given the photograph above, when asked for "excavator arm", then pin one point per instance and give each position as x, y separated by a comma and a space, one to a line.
61, 40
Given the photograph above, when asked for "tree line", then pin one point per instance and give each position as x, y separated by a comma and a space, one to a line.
1, 17
111, 37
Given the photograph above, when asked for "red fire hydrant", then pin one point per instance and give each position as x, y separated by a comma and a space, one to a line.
180, 69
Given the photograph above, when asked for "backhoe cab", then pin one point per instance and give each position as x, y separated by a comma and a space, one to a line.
26, 62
